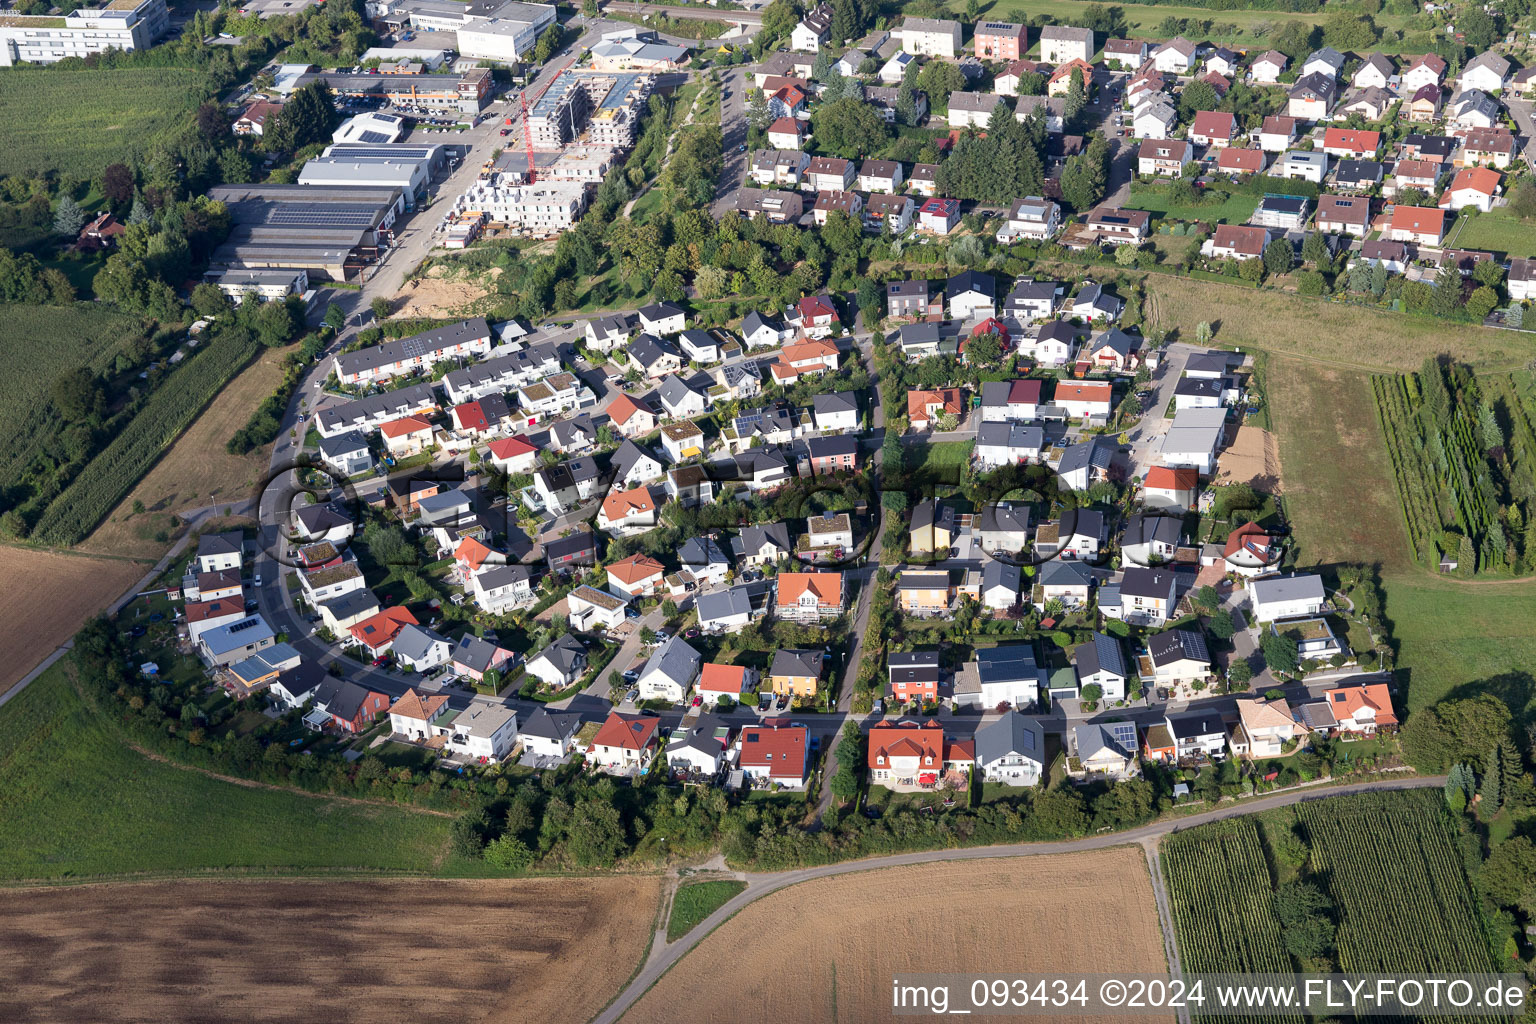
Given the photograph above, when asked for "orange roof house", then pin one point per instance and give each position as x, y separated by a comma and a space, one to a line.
923, 407
1481, 180
378, 632
511, 449
1362, 709
1416, 224
404, 427
776, 752
912, 755
1350, 142
727, 679
470, 417
631, 416
1240, 161
414, 706
624, 738
471, 553
810, 595
635, 574
1250, 549
624, 506
1167, 486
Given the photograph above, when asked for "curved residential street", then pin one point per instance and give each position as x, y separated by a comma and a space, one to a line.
664, 955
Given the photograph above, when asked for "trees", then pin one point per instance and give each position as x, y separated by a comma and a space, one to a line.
780, 19
938, 79
380, 307
1482, 301
1280, 653
849, 128
1197, 96
207, 300
1315, 251
1522, 200
77, 394
1251, 271
548, 44
1278, 256
335, 317
68, 217
307, 117
1351, 30
117, 184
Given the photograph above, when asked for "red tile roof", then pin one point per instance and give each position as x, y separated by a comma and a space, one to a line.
404, 426
1353, 139
380, 630
1346, 701
827, 586
470, 416
1243, 161
1166, 478
775, 747
510, 448
1418, 219
1216, 124
636, 569
627, 732
623, 407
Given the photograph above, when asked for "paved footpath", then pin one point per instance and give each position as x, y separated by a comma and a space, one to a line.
762, 884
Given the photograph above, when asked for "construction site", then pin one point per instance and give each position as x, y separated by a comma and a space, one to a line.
573, 133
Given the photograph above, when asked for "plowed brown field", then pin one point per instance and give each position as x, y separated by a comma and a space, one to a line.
826, 950
541, 951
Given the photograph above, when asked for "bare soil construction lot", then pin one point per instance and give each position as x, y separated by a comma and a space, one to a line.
46, 599
1252, 458
435, 296
197, 471
825, 950
542, 951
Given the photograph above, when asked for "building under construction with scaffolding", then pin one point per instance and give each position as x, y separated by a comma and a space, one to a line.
605, 106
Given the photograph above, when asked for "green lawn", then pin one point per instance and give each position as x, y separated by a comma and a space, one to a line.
935, 455
77, 122
1497, 231
1144, 19
696, 902
1236, 209
76, 802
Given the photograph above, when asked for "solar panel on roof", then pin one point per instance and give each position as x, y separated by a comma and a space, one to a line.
372, 136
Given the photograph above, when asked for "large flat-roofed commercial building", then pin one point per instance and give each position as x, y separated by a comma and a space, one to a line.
266, 285
509, 35
466, 93
327, 232
408, 168
120, 25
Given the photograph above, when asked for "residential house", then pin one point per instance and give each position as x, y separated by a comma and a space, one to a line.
912, 299
1101, 662
1351, 143
1176, 56
720, 682
588, 608
1164, 157
1151, 538
1277, 133
794, 672
1031, 217
789, 133
880, 176
1008, 674
1288, 213
1032, 300
1268, 67
1000, 583
654, 357
1065, 581
1222, 61
1000, 40
1085, 400
1155, 119
377, 634
1194, 438
578, 549
778, 166
1426, 70
1266, 727
609, 332
1010, 401
671, 671
972, 294
1422, 225
1003, 528
838, 410
346, 454
760, 330
935, 527
639, 575
1488, 72
682, 440
775, 754
625, 744
761, 545
627, 512
662, 319
814, 317
1062, 43
1086, 463
1494, 147
1362, 710
1178, 657
339, 615
631, 417
938, 216
1472, 186
809, 596
924, 594
1286, 597
1008, 443
1312, 97
972, 109
203, 616
1371, 104
824, 455
725, 611
549, 734
704, 559
418, 353
499, 588
1105, 749
1349, 215
1052, 108
1127, 54
421, 649
913, 675
1197, 734
1250, 550
828, 203
573, 435
1170, 488
1010, 750
1080, 534
1115, 226
217, 552
350, 707
1357, 176
926, 408
1521, 281
1472, 109
1113, 351
1148, 596
1092, 303
829, 174
1394, 256
1303, 165
1215, 128
474, 656
893, 70
1424, 104
1327, 62
912, 756
928, 37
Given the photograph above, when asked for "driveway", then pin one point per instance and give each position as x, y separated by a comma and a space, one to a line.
1146, 435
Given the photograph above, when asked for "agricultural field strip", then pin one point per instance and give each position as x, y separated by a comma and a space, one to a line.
1429, 925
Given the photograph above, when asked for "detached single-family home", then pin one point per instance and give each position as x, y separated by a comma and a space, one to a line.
1213, 128
1521, 281
421, 649
662, 319
938, 216
589, 608
1147, 595
350, 706
1488, 71
971, 294
913, 675
606, 333
1472, 186
1418, 224
625, 744
377, 634
1101, 662
1348, 215
775, 753
1265, 727
1151, 538
1495, 147
1312, 97
1105, 749
1065, 581
1178, 656
1426, 70
1169, 487
654, 357
1085, 400
1011, 750
1277, 133
1031, 217
217, 552
1362, 710
1165, 157
1127, 54
717, 682
1250, 550
1194, 438
1286, 597
638, 575
794, 672
912, 756
1327, 62
671, 671
809, 596
1268, 67
1197, 734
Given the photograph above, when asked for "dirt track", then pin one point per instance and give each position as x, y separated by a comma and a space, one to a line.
541, 951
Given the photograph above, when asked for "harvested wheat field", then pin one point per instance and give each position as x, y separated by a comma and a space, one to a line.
1252, 458
197, 471
542, 951
826, 950
47, 597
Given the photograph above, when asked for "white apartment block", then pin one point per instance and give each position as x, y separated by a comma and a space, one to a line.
120, 25
546, 208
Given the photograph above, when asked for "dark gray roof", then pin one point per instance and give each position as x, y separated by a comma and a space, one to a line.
1093, 737
702, 551
343, 444
647, 350
351, 604
565, 654
676, 660
1142, 528
674, 391
1007, 663
660, 310
913, 666
1093, 452
1005, 518
475, 653
1316, 715
754, 538
1192, 724
417, 346
755, 321
1011, 435
1177, 645
582, 541
1149, 583
231, 542
1059, 572
1200, 387
1013, 733
550, 725
568, 432
789, 661
627, 456
1359, 170
932, 513
831, 447
495, 577
1081, 522
414, 642
1101, 654
341, 697
723, 604
836, 401
971, 281
1001, 574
